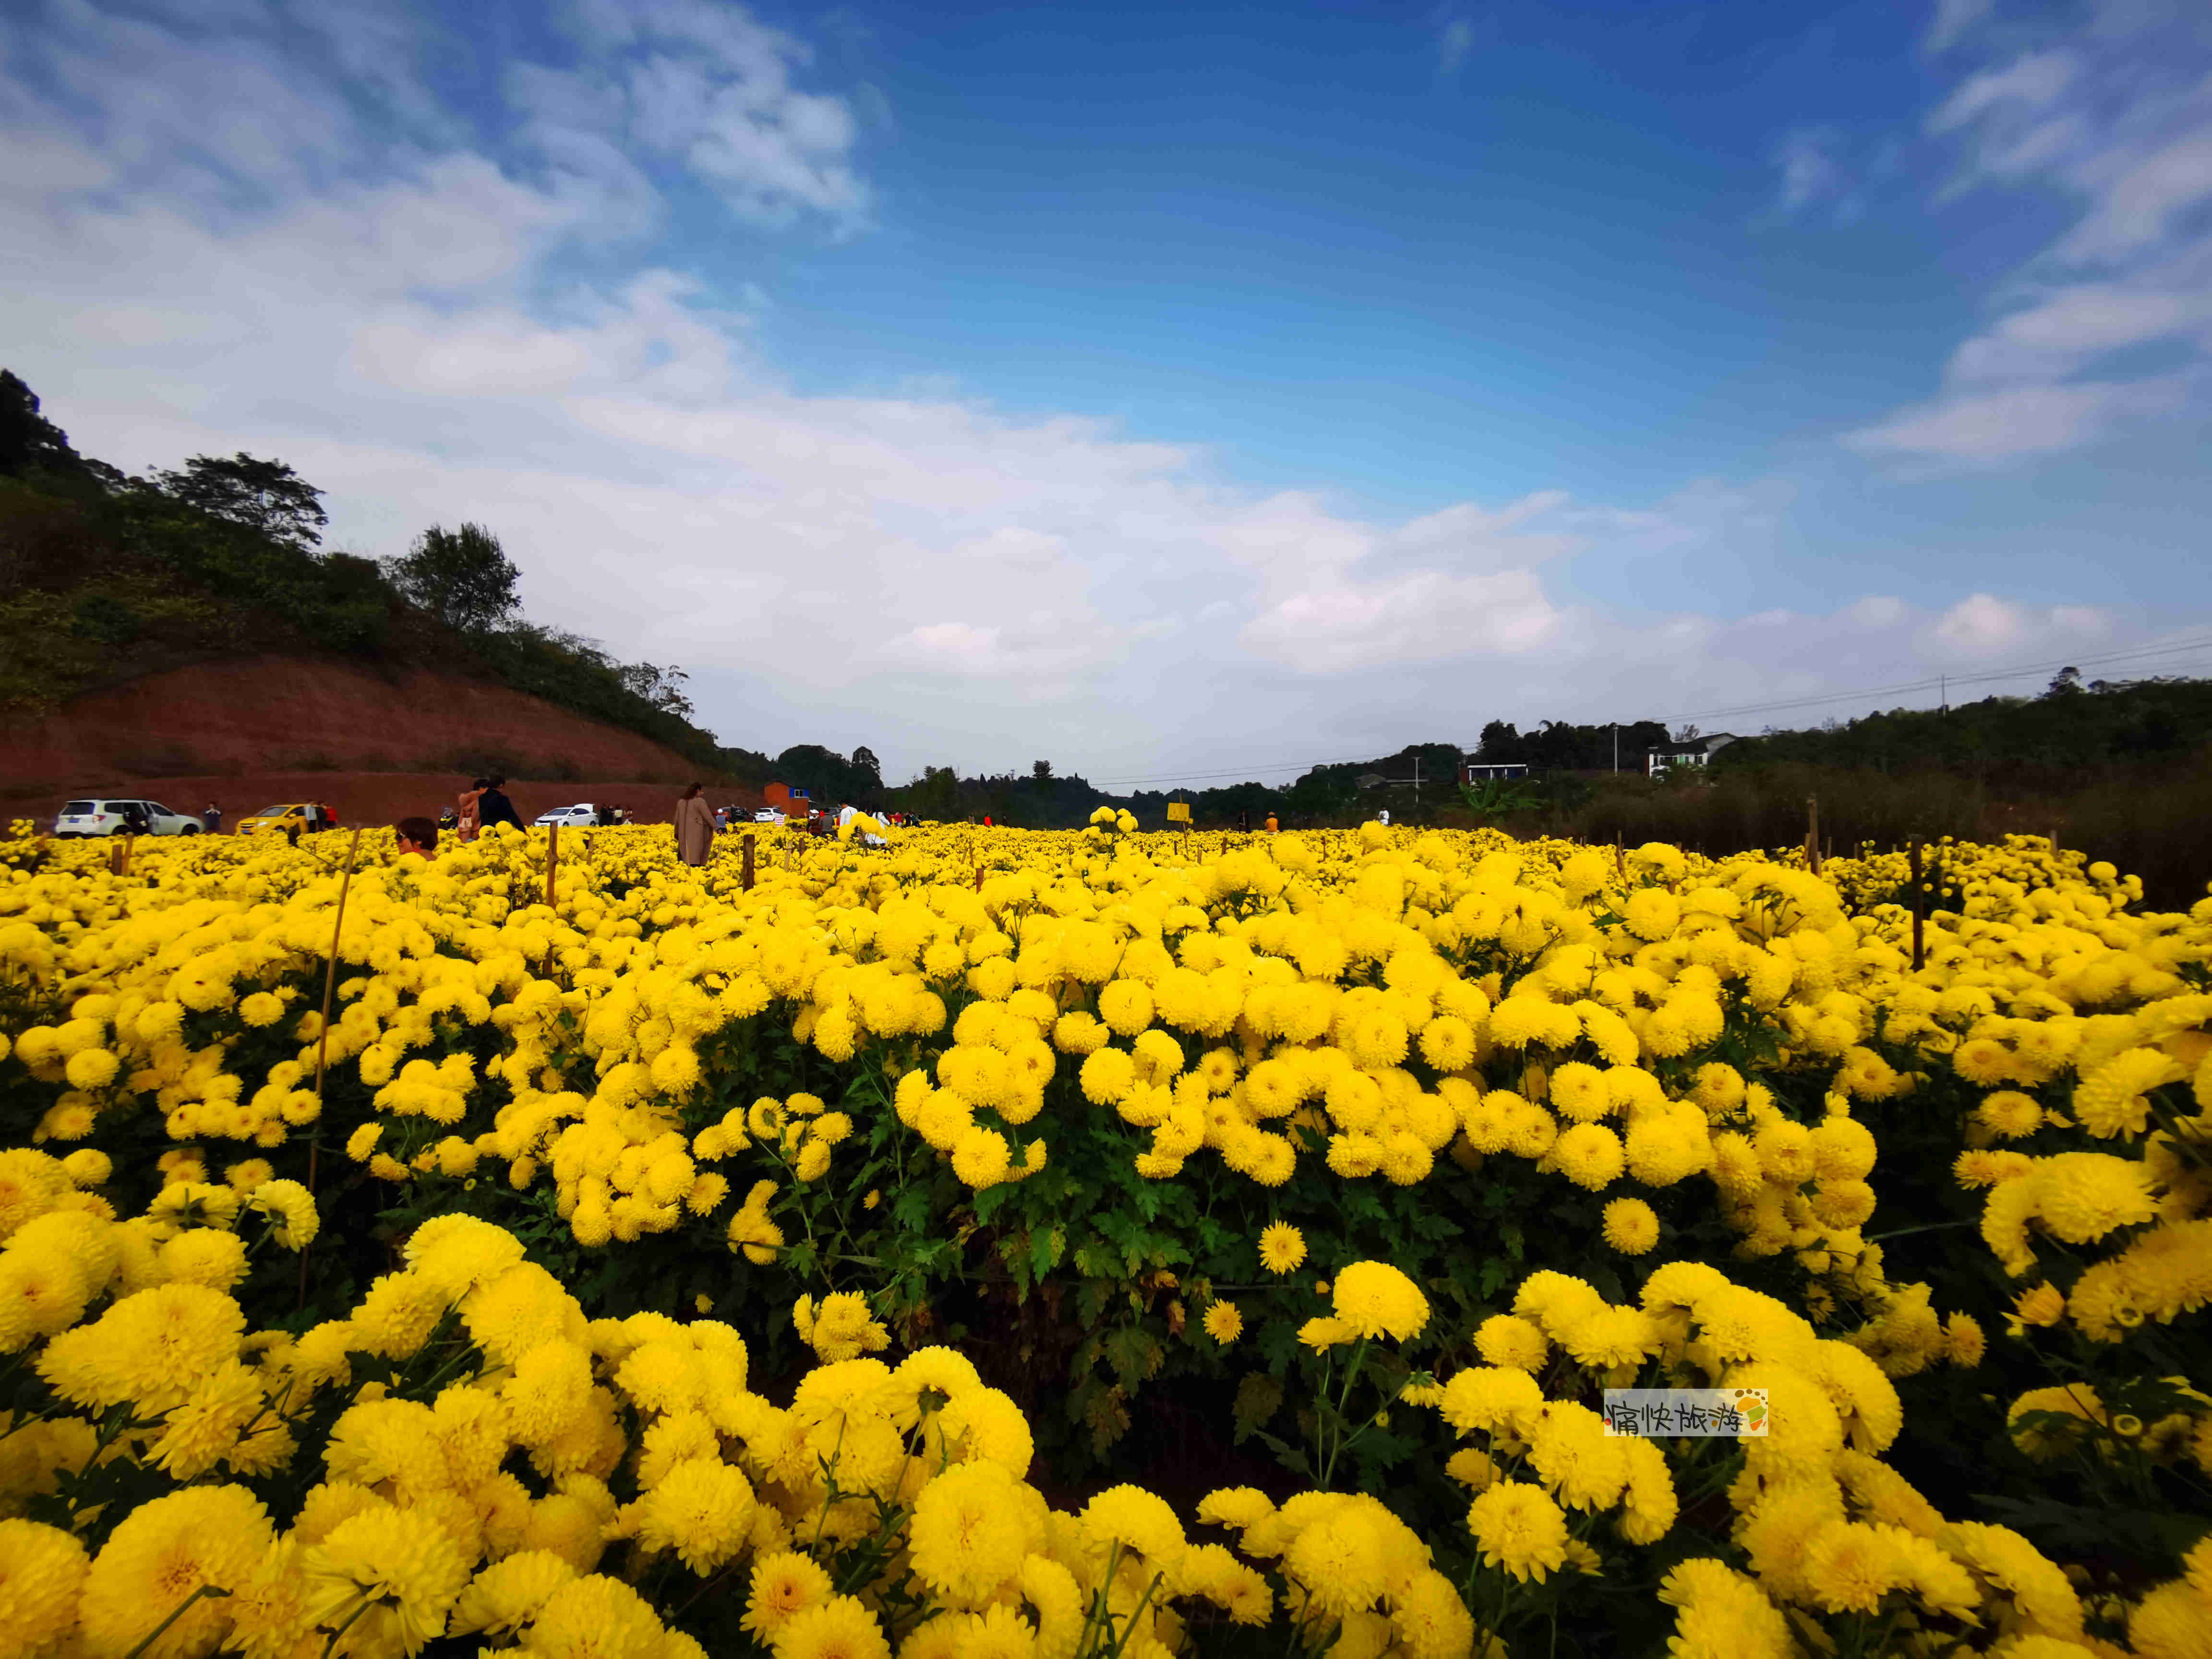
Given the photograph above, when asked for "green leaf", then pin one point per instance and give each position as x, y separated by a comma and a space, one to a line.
1133, 1353
1046, 1247
1259, 1396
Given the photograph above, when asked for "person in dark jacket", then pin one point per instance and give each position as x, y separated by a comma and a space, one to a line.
211, 820
494, 807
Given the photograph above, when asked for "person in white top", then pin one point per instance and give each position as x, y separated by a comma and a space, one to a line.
846, 813
1383, 817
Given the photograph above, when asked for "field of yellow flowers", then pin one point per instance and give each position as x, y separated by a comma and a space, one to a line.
1096, 1244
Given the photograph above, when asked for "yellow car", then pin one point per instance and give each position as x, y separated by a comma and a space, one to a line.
309, 815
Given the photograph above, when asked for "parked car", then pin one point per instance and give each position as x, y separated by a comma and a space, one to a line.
310, 816
582, 814
768, 815
112, 817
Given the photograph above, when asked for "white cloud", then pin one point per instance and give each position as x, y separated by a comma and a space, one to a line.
2016, 420
2114, 115
1983, 628
2031, 83
709, 86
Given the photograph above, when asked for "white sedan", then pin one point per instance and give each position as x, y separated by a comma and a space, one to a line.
768, 815
112, 817
583, 815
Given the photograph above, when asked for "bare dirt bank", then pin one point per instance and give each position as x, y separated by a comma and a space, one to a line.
257, 717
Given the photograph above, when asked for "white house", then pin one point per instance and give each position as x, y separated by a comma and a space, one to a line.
1483, 771
1690, 752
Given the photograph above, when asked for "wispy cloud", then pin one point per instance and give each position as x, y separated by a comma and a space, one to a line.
2112, 322
1455, 40
1953, 19
1812, 173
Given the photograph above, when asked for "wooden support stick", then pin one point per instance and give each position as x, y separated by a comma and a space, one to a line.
552, 860
1813, 833
1917, 905
323, 1038
331, 975
745, 876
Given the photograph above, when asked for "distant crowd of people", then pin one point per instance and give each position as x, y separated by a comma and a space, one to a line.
485, 804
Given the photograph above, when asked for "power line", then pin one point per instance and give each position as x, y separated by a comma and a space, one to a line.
1935, 681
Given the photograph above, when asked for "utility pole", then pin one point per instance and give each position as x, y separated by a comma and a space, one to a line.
1416, 783
1616, 745
1942, 693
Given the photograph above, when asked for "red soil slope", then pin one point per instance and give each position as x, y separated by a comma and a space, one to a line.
374, 742
286, 714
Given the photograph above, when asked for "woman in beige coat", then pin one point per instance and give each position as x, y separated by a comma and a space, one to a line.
694, 828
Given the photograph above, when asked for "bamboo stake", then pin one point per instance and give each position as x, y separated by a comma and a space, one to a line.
1916, 905
323, 1038
1813, 833
552, 863
330, 986
745, 876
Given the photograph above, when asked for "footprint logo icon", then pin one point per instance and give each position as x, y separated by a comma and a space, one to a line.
1751, 1407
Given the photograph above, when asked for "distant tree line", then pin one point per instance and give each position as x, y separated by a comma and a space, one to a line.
2071, 725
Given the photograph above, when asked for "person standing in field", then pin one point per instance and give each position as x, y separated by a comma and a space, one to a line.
494, 807
211, 820
1271, 823
470, 798
694, 828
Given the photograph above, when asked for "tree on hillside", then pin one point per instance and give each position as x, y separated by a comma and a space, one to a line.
1041, 770
2066, 681
462, 577
661, 687
870, 769
266, 496
827, 775
27, 439
934, 794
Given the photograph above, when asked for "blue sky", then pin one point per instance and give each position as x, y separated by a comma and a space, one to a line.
1158, 387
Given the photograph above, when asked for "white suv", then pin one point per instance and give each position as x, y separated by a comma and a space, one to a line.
583, 815
112, 817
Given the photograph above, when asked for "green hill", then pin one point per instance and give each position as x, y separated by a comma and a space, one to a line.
106, 577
